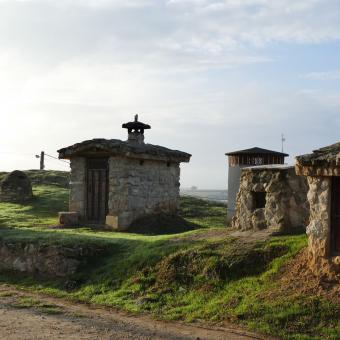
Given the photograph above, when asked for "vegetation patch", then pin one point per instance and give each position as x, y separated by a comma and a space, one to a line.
41, 211
215, 263
6, 294
203, 213
46, 177
29, 302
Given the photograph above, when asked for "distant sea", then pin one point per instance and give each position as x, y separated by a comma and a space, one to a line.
210, 195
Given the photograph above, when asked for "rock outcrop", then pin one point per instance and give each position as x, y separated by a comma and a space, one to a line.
44, 259
16, 187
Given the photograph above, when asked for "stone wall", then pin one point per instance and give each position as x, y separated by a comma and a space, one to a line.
286, 207
78, 186
44, 260
319, 234
138, 188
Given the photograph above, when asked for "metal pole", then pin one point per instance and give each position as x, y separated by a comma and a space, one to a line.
42, 160
283, 139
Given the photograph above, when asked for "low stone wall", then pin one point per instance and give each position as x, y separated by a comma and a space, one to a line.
286, 207
320, 259
44, 260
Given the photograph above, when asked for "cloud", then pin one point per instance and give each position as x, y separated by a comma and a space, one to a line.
186, 33
330, 75
88, 3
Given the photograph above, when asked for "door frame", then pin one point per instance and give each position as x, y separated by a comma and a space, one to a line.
106, 168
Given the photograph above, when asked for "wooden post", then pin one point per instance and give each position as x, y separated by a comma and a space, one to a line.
42, 160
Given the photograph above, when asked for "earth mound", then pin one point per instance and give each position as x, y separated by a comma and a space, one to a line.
298, 279
160, 224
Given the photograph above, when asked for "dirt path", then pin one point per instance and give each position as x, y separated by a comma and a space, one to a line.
26, 315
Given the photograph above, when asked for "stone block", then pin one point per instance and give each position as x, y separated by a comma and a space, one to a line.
68, 219
112, 222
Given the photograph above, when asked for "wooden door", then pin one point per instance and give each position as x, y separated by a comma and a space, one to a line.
97, 190
335, 227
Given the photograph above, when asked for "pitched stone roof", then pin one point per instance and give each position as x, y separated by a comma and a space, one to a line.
256, 150
327, 156
112, 147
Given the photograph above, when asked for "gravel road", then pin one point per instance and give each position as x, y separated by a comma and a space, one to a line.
26, 315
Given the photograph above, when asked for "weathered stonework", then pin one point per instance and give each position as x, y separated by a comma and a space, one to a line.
16, 187
286, 207
44, 260
77, 185
137, 189
320, 167
320, 258
318, 231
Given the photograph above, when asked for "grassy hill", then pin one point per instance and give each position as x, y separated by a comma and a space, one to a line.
205, 274
46, 177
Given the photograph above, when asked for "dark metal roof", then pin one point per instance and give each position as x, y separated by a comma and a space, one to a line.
258, 151
117, 147
329, 155
136, 126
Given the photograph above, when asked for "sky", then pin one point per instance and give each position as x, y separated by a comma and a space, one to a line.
209, 76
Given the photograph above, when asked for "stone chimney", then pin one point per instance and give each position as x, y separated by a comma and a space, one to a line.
136, 131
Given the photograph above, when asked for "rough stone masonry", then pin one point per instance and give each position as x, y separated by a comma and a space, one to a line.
271, 197
322, 168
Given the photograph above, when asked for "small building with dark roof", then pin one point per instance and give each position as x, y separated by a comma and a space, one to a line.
244, 158
116, 182
322, 169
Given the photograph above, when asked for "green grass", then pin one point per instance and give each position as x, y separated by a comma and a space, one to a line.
45, 177
29, 302
40, 212
203, 213
179, 276
6, 294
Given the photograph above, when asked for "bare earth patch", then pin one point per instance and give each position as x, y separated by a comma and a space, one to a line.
298, 279
22, 316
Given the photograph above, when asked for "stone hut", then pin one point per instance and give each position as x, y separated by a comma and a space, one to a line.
115, 182
322, 169
16, 187
271, 197
245, 158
